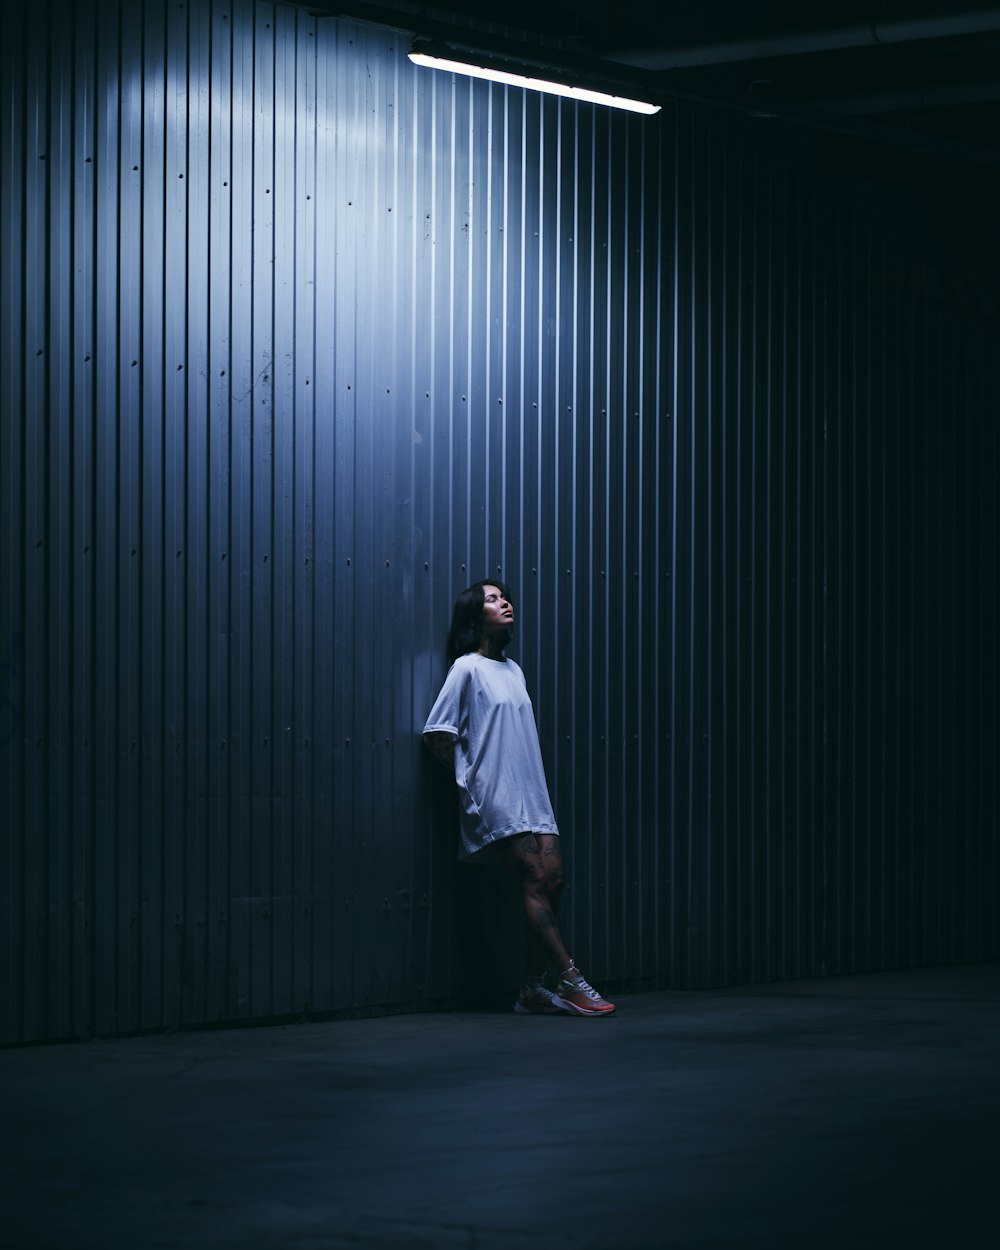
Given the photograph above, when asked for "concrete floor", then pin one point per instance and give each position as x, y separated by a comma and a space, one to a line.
851, 1112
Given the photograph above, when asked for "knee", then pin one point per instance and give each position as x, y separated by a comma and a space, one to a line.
554, 881
532, 879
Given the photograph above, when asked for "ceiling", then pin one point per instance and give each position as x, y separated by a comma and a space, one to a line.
918, 80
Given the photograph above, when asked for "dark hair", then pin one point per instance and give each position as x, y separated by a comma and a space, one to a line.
466, 633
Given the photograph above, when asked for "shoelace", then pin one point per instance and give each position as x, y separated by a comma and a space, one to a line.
579, 983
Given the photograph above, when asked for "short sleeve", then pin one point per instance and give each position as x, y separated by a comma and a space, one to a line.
446, 714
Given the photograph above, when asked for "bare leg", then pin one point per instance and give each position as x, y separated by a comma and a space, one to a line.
538, 869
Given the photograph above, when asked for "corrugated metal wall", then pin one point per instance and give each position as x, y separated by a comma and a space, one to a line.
298, 340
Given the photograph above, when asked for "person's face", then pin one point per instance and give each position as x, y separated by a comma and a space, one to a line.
498, 612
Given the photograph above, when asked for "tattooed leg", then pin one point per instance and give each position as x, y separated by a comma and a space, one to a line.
539, 877
554, 881
553, 864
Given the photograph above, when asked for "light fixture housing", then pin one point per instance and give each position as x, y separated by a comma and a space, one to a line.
477, 65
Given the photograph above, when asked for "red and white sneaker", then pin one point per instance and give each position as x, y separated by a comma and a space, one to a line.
576, 995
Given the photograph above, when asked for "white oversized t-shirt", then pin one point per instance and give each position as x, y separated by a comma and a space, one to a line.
484, 707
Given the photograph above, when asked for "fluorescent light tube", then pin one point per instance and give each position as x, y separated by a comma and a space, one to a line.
533, 84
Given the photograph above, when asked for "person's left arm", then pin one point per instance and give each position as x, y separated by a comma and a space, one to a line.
442, 747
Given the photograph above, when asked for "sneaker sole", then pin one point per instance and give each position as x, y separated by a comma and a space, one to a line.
583, 1011
542, 1011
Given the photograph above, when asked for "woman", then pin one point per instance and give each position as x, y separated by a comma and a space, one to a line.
483, 728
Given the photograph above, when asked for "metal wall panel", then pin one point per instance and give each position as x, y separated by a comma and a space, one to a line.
298, 340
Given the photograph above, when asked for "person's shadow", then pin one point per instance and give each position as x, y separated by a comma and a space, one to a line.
485, 928
492, 934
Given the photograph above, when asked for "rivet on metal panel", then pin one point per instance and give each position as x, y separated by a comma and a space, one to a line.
134, 363
134, 168
347, 742
86, 359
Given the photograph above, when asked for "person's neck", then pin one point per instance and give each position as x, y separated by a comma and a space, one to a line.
492, 650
